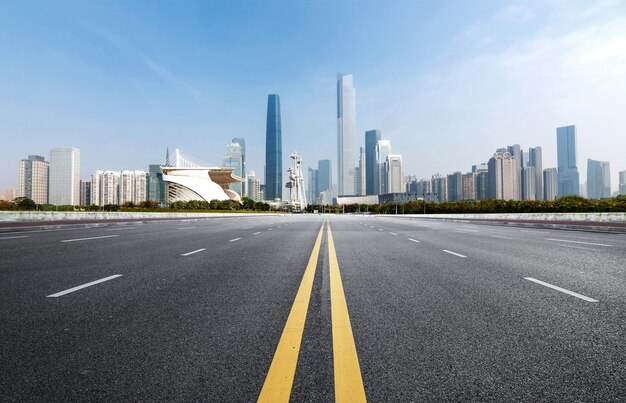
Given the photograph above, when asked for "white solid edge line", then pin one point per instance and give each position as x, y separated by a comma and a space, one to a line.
554, 287
584, 243
500, 236
256, 233
90, 238
393, 233
413, 240
453, 253
192, 252
180, 229
14, 237
233, 240
102, 280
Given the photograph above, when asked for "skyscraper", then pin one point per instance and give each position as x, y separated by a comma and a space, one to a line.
64, 176
440, 187
598, 179
85, 192
550, 184
242, 142
395, 174
156, 186
501, 176
254, 187
535, 160
622, 182
33, 178
455, 186
312, 193
346, 134
383, 149
105, 188
132, 187
371, 167
273, 150
324, 176
516, 152
360, 174
233, 160
569, 181
529, 186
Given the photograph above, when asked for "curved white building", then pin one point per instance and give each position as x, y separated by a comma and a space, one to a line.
185, 181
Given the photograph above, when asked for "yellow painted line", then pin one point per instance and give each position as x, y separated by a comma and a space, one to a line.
348, 380
279, 380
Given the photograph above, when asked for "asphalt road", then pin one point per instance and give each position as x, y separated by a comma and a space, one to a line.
438, 311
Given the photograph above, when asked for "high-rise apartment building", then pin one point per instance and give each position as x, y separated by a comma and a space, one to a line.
440, 187
85, 192
234, 160
622, 182
516, 152
346, 135
273, 150
469, 186
395, 174
455, 187
64, 179
105, 187
529, 186
569, 181
254, 187
502, 176
371, 164
535, 160
598, 179
383, 150
33, 179
133, 187
550, 184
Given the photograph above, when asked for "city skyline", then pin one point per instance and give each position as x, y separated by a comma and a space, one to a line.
533, 67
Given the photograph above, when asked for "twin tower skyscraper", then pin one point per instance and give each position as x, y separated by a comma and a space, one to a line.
346, 141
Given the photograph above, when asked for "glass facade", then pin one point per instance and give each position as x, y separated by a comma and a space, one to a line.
371, 166
346, 135
64, 176
273, 150
569, 181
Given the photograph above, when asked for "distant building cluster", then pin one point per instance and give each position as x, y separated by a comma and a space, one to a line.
372, 173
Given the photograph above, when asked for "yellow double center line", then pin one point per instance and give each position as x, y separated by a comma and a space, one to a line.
348, 381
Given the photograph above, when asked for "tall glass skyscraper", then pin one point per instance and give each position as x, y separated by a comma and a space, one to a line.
371, 165
324, 176
569, 181
535, 160
598, 179
346, 135
273, 150
244, 171
64, 176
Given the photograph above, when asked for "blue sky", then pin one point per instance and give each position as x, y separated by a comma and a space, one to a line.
447, 82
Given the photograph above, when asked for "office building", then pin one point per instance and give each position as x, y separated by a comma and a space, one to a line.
455, 187
383, 150
312, 192
242, 143
324, 177
598, 179
550, 184
360, 174
33, 179
64, 179
346, 135
371, 164
469, 186
567, 164
234, 160
156, 186
273, 150
516, 152
622, 182
395, 174
535, 160
85, 193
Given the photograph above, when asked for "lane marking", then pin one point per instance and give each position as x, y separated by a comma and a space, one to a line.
234, 240
413, 240
580, 242
466, 230
192, 252
577, 247
279, 379
348, 379
534, 231
119, 229
269, 229
80, 287
380, 229
500, 236
180, 229
554, 287
393, 233
90, 238
14, 237
247, 227
454, 253
256, 233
